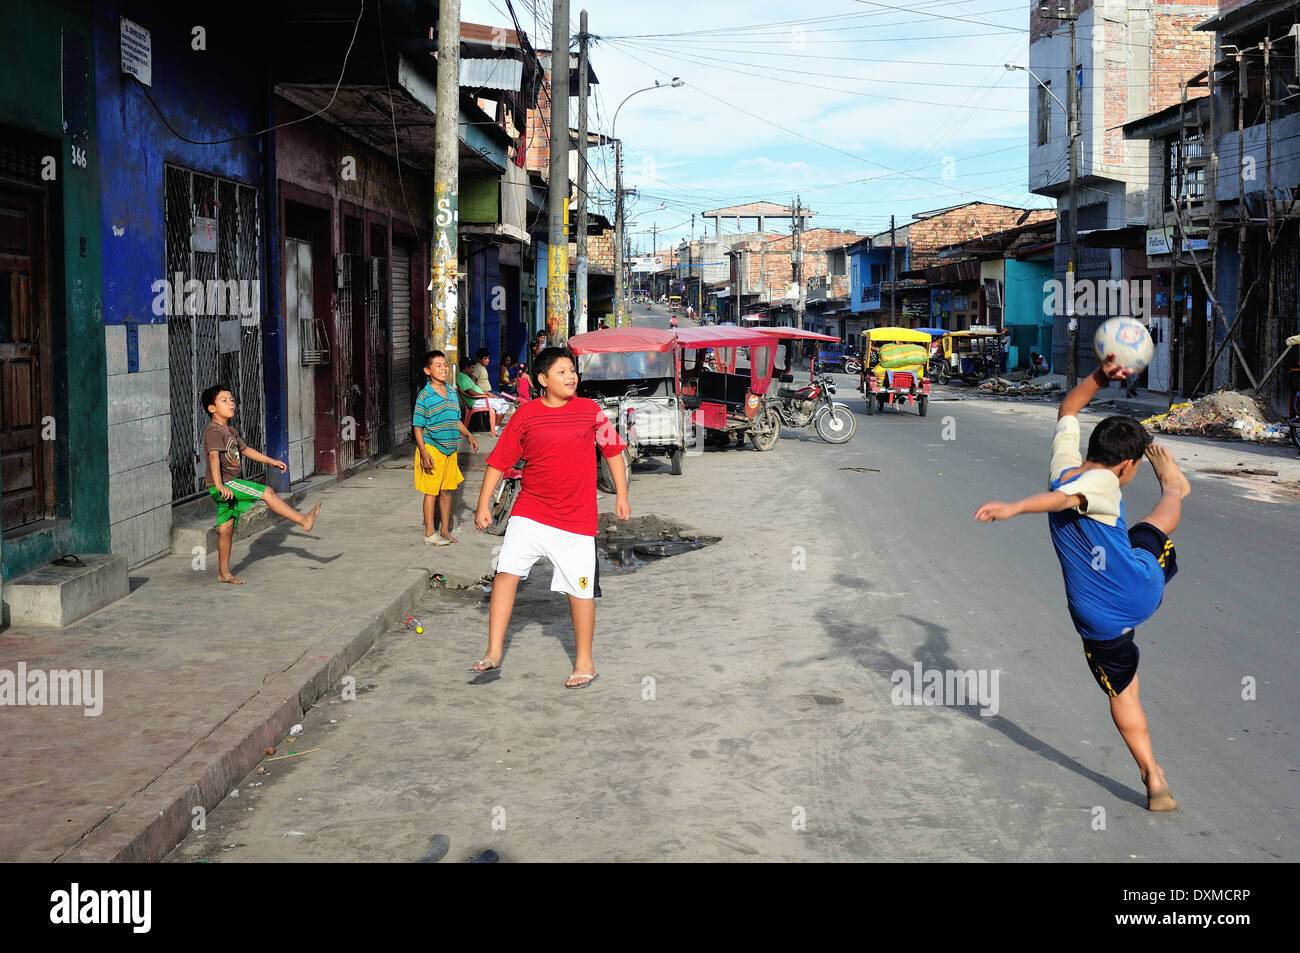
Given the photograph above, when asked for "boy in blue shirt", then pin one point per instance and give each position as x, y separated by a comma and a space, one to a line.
1114, 576
437, 426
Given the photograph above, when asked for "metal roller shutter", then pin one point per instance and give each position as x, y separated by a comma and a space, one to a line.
402, 386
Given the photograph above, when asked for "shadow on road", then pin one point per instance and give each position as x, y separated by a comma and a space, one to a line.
861, 644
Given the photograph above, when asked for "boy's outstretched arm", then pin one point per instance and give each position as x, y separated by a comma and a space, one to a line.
1052, 502
1086, 389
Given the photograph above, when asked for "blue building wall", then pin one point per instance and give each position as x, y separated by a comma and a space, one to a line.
197, 98
1024, 294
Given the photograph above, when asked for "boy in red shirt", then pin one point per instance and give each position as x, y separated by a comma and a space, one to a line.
555, 514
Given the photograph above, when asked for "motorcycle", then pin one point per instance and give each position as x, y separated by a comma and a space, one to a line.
623, 418
503, 498
800, 406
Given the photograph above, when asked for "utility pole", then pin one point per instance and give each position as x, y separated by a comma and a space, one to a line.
580, 280
618, 234
446, 172
1072, 130
796, 264
557, 270
893, 311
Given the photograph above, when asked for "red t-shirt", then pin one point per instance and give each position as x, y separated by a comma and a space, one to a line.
557, 444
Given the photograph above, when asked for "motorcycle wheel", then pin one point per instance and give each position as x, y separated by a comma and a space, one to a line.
767, 430
835, 424
503, 501
605, 477
675, 461
922, 405
852, 367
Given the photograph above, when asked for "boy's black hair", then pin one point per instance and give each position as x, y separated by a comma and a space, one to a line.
481, 353
210, 396
1117, 439
548, 356
428, 358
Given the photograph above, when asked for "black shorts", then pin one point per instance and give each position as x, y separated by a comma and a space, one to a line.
1145, 536
1113, 662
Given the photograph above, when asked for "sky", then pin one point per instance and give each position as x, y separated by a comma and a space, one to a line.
861, 109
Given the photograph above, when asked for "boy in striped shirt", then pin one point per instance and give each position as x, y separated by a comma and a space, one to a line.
438, 427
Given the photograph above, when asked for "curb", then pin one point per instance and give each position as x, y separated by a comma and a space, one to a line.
156, 818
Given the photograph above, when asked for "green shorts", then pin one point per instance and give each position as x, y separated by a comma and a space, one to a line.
246, 493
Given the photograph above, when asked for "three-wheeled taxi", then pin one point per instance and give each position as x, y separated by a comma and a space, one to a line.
895, 368
634, 374
972, 355
727, 398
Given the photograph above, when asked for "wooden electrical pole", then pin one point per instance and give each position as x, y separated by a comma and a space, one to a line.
446, 173
580, 274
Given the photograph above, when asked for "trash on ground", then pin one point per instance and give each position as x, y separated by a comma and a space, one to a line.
861, 469
1006, 388
294, 730
1224, 413
293, 754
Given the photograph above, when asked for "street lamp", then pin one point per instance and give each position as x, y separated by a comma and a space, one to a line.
620, 316
1072, 131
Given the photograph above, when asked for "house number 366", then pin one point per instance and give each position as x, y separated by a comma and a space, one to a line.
79, 157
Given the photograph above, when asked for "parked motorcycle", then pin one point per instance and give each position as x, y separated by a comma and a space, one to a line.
503, 498
623, 417
812, 404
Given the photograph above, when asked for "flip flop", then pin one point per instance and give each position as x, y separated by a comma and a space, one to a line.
589, 679
491, 666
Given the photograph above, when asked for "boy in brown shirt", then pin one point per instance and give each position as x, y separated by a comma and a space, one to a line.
222, 446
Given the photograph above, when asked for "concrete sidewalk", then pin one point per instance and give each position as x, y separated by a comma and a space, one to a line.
199, 679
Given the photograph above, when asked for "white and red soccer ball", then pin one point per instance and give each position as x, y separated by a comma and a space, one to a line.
1129, 340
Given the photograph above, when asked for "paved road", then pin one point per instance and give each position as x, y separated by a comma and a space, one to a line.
746, 705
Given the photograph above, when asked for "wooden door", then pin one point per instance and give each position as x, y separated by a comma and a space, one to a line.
26, 407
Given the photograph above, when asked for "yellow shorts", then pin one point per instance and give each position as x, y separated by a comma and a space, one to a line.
446, 473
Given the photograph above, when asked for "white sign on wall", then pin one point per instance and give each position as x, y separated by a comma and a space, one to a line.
137, 52
1159, 241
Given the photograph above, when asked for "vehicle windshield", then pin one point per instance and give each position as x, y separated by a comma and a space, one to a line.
625, 365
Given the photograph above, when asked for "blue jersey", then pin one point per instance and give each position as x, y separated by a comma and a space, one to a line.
1110, 585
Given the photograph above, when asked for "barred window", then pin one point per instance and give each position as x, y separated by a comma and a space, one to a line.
1044, 113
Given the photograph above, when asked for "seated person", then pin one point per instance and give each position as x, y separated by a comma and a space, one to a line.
509, 375
478, 399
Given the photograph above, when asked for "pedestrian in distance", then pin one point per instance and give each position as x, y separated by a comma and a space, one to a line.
234, 495
554, 516
437, 427
1114, 576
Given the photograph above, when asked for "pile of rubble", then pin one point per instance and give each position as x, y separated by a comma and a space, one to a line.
1006, 388
1224, 413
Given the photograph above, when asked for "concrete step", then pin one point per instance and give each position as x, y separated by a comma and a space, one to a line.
60, 595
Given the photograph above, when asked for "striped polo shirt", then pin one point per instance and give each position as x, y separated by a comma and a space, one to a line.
440, 418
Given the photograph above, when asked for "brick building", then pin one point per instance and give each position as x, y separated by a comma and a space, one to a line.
1131, 56
762, 269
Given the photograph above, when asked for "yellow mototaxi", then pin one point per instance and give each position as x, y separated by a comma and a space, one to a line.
971, 355
895, 368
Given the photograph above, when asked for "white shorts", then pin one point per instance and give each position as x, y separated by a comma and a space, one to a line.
572, 555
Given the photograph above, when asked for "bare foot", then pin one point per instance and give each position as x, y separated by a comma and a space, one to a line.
1158, 796
1167, 471
230, 578
310, 521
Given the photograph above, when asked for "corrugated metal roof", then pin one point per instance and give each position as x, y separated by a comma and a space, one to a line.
491, 74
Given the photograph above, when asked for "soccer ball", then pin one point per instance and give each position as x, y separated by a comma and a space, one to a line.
1128, 340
